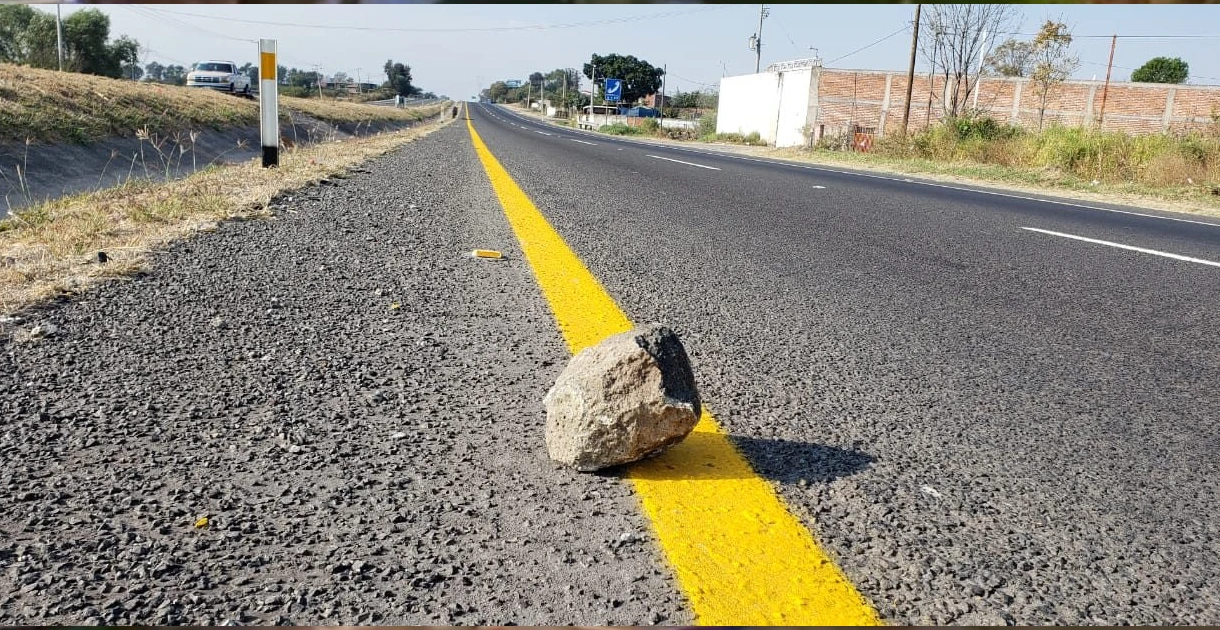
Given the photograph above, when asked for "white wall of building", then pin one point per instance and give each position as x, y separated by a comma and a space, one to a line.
749, 103
773, 104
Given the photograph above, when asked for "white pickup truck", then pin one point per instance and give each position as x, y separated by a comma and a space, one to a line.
218, 75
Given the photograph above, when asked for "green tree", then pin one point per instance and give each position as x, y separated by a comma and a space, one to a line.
27, 36
1052, 61
125, 52
684, 100
154, 71
1162, 70
251, 71
85, 39
175, 75
1012, 58
639, 77
497, 91
399, 79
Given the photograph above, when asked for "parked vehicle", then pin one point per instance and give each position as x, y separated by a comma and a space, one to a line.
218, 75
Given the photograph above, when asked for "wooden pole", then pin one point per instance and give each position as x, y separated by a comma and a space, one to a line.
1109, 65
906, 114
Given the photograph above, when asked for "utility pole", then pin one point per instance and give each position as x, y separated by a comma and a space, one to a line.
756, 41
664, 71
564, 98
59, 36
593, 90
906, 115
1110, 64
932, 78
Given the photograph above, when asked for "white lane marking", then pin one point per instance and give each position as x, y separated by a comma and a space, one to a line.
820, 187
542, 132
730, 156
710, 168
1130, 247
582, 141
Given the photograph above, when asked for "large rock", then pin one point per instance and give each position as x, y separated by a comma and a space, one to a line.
630, 397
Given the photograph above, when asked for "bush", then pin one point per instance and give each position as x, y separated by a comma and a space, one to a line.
707, 125
650, 125
619, 129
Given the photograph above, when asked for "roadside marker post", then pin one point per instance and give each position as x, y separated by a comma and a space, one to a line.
268, 103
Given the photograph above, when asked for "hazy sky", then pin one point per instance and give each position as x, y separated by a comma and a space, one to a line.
449, 54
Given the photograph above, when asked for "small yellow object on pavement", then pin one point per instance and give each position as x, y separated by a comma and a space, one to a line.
486, 253
395, 306
201, 523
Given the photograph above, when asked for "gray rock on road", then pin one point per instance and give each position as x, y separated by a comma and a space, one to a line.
630, 397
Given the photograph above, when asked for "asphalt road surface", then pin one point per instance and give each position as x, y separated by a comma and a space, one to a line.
981, 423
1039, 411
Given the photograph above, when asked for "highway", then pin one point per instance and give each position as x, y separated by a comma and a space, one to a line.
986, 406
927, 404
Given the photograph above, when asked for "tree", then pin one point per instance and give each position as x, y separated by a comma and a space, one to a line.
1012, 58
1162, 70
251, 71
1052, 61
399, 79
497, 91
952, 40
639, 77
687, 100
555, 81
125, 52
154, 71
175, 74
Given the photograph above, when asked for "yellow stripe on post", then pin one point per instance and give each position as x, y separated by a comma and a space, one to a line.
267, 66
741, 557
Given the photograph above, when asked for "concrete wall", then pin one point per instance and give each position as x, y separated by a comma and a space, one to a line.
773, 104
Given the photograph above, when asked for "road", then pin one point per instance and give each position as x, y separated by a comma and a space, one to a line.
1036, 411
978, 422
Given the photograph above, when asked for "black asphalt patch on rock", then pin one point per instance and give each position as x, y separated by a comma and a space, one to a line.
352, 403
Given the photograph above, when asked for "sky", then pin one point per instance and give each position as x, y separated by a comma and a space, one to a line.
458, 49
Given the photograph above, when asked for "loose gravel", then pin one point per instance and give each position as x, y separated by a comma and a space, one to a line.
330, 416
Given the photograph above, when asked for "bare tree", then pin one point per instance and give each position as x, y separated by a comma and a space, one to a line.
1053, 62
953, 39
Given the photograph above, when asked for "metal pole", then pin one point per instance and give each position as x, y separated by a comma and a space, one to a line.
978, 78
59, 36
564, 98
1110, 64
268, 103
906, 114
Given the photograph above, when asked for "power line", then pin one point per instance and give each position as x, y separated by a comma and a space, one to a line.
149, 13
903, 29
1094, 63
451, 30
681, 78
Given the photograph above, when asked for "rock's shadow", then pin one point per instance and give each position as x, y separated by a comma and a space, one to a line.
713, 456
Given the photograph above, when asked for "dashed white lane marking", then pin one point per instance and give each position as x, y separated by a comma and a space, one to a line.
710, 168
542, 132
908, 180
582, 141
820, 187
1128, 247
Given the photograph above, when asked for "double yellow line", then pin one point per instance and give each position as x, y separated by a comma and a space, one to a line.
740, 556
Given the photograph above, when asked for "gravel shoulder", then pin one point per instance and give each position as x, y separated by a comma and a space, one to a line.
353, 405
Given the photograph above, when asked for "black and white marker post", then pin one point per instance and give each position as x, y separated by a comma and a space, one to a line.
269, 103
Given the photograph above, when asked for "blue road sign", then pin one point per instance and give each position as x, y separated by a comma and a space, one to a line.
614, 89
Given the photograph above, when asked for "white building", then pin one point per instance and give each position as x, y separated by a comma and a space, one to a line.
777, 103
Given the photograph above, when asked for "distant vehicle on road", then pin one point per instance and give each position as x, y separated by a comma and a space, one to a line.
218, 75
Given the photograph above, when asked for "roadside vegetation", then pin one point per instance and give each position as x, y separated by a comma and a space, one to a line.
50, 106
52, 248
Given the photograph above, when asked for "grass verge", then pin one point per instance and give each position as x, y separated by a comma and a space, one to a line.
50, 106
51, 249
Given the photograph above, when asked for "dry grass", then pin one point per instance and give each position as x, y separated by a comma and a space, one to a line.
50, 106
51, 249
349, 112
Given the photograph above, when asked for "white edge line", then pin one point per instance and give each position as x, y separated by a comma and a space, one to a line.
906, 180
583, 142
710, 168
1129, 247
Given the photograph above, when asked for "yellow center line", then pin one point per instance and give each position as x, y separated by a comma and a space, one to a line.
740, 556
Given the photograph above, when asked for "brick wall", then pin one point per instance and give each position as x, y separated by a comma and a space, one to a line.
858, 97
